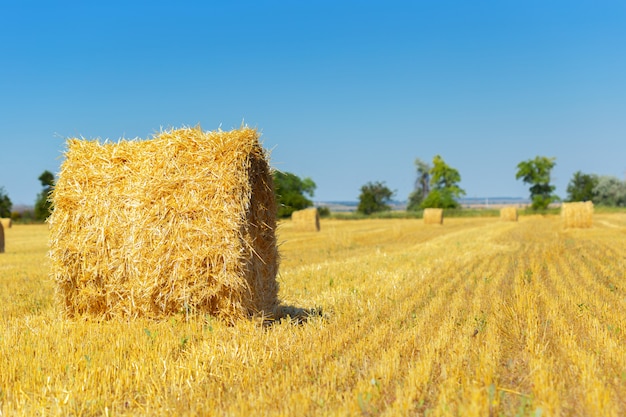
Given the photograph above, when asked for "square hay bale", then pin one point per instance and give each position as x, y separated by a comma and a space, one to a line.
1, 238
307, 220
577, 214
182, 222
6, 222
433, 216
508, 214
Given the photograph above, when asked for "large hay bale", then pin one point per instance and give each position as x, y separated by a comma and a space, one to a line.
183, 222
433, 216
577, 215
508, 214
6, 222
1, 238
307, 220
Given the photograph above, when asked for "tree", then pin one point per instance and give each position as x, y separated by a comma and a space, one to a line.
536, 172
609, 191
444, 191
290, 192
5, 204
43, 205
374, 197
581, 186
422, 185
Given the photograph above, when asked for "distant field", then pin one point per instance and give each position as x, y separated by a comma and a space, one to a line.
477, 317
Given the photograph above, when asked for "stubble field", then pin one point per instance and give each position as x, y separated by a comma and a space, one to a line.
477, 317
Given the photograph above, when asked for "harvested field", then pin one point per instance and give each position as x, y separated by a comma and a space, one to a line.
480, 317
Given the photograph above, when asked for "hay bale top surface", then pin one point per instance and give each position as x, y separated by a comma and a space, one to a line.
6, 222
182, 221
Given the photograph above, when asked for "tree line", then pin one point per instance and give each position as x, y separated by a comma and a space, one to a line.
436, 186
42, 207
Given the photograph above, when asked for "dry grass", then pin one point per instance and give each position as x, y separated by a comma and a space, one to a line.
183, 222
307, 220
479, 318
508, 214
433, 216
577, 215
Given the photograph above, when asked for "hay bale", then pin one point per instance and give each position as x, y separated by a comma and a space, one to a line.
6, 222
1, 238
508, 214
577, 215
182, 222
433, 216
307, 220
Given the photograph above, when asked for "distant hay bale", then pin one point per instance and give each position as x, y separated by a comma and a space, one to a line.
307, 220
433, 216
6, 222
183, 222
508, 214
577, 215
1, 238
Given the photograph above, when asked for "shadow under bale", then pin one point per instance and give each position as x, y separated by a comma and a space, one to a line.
295, 315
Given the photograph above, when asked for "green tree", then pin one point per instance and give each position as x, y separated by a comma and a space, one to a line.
323, 211
444, 188
374, 197
536, 173
581, 186
422, 185
5, 204
291, 192
43, 205
609, 191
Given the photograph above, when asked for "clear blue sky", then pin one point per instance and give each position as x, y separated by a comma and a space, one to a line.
344, 92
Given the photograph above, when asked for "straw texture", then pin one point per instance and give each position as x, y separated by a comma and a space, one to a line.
307, 220
433, 216
6, 222
508, 214
183, 222
577, 214
1, 238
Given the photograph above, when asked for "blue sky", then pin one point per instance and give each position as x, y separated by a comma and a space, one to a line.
343, 92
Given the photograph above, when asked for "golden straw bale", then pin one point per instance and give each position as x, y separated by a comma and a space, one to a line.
577, 214
6, 222
1, 238
508, 214
182, 222
307, 220
433, 216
